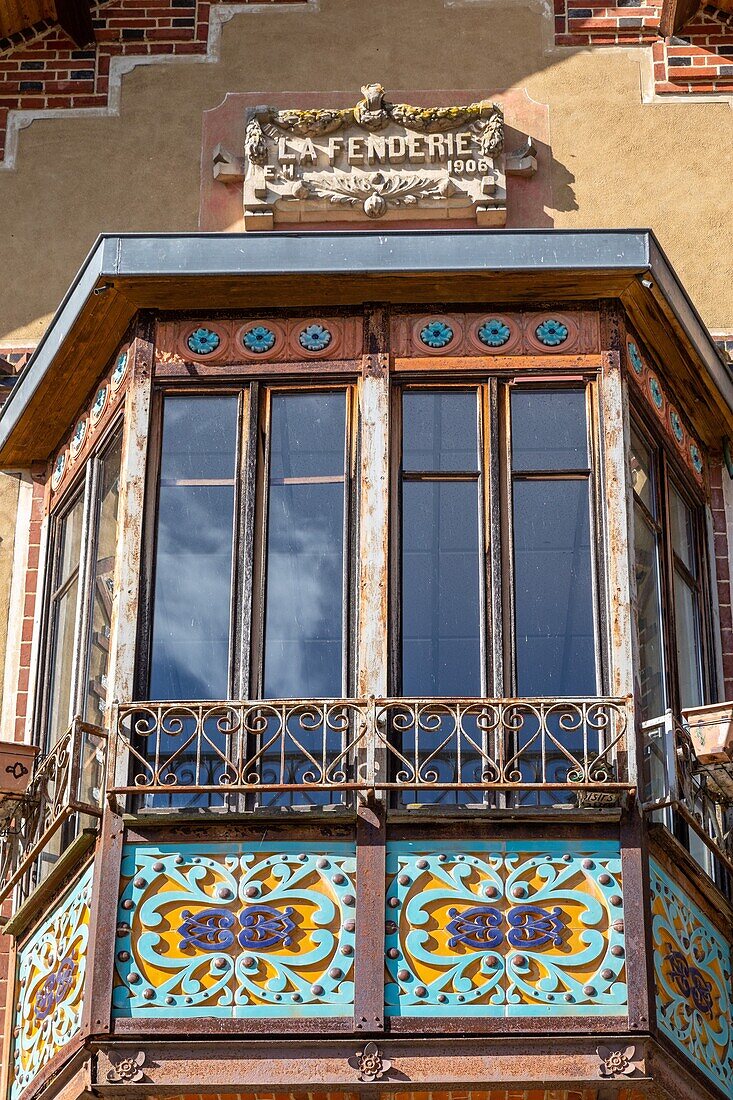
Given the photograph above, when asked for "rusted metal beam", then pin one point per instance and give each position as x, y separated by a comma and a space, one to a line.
369, 950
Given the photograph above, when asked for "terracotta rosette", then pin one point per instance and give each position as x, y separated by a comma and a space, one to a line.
634, 351
221, 352
672, 416
296, 349
275, 352
476, 344
659, 404
534, 344
78, 438
449, 348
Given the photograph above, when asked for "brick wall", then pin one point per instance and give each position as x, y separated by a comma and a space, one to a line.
722, 570
48, 72
700, 61
29, 607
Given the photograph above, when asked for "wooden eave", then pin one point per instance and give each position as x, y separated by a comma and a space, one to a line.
207, 272
73, 16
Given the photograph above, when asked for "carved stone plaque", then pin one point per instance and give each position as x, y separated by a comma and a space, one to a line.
378, 160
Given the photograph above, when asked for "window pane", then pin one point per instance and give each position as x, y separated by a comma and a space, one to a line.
63, 662
682, 529
555, 636
439, 430
304, 640
649, 620
549, 429
103, 583
641, 473
440, 589
63, 621
193, 561
689, 656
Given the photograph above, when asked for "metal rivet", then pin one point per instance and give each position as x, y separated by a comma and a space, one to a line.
278, 997
390, 927
347, 949
248, 962
567, 858
178, 860
589, 990
335, 973
393, 903
139, 883
461, 998
404, 880
123, 956
518, 960
188, 1000
322, 863
617, 951
123, 929
338, 880
303, 857
491, 891
317, 990
606, 974
170, 1000
297, 998
491, 960
127, 904
251, 892
618, 925
615, 899
158, 867
588, 864
133, 977
422, 864
442, 998
519, 891
421, 991
604, 879
403, 975
223, 892
393, 953
149, 994
442, 857
349, 899
461, 859
568, 997
349, 925
220, 962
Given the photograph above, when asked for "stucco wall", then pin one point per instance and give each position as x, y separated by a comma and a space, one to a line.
617, 162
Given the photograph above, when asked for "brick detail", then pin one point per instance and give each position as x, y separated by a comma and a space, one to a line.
700, 62
41, 69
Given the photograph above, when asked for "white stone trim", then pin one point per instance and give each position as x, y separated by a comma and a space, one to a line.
219, 15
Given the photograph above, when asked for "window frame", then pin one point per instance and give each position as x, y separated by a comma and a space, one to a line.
669, 470
85, 487
498, 656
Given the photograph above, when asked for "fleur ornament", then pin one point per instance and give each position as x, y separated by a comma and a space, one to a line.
494, 333
436, 334
618, 1063
203, 341
259, 339
127, 1069
370, 1063
315, 338
551, 332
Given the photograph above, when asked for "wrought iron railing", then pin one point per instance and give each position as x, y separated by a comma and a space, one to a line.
65, 794
675, 785
279, 752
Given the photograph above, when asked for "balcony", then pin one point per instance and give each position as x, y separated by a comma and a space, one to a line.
495, 753
63, 800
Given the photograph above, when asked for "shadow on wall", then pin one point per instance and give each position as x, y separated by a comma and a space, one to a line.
139, 171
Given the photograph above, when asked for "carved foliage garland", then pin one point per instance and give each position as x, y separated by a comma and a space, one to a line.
232, 930
692, 968
505, 929
51, 975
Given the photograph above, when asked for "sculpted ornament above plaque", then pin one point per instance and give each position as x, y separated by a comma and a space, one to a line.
378, 160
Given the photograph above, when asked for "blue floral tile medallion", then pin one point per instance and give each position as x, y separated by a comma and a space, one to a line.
315, 337
436, 334
634, 357
77, 439
118, 374
656, 393
259, 339
551, 332
696, 459
100, 403
58, 470
494, 332
203, 341
676, 425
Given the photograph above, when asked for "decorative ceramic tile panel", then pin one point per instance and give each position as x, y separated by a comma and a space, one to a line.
237, 930
671, 421
243, 341
692, 966
495, 333
505, 929
50, 990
